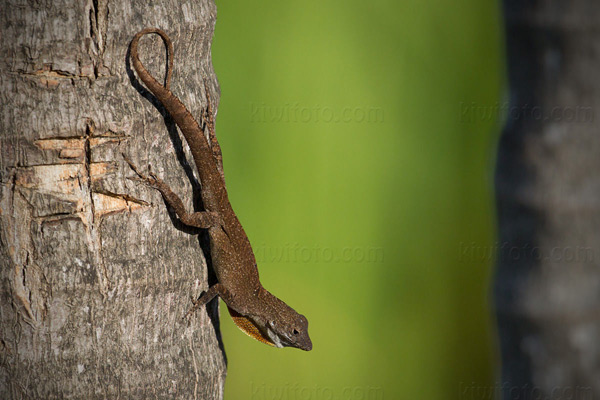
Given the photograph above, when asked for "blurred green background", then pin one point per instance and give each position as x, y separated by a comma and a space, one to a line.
365, 185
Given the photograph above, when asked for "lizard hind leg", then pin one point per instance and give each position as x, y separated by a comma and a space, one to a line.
200, 219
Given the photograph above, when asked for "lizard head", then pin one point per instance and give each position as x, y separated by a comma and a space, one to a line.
291, 331
277, 324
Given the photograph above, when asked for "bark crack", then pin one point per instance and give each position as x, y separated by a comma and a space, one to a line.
50, 77
88, 213
98, 20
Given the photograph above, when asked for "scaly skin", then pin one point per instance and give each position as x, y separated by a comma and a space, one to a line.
257, 312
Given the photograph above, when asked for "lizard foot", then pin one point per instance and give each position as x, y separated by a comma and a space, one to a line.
196, 304
151, 180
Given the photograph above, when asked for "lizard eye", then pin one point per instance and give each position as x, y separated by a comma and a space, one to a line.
295, 331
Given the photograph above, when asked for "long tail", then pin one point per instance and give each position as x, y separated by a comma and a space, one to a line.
203, 156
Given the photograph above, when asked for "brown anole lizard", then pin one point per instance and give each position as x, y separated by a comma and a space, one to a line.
255, 311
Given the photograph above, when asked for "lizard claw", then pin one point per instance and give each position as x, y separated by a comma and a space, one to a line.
151, 180
134, 167
194, 307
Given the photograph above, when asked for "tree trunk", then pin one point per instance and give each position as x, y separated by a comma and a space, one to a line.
95, 274
547, 287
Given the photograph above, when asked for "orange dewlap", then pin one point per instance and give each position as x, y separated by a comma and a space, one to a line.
248, 327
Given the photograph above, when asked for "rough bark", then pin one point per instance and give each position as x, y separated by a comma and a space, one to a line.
95, 274
547, 287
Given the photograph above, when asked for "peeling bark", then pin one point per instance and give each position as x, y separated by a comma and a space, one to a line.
95, 274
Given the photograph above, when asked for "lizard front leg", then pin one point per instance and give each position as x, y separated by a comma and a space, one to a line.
201, 219
215, 290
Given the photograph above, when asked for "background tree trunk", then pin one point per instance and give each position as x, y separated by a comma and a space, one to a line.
547, 287
95, 275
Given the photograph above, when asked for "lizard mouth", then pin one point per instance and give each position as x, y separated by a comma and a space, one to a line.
305, 346
304, 343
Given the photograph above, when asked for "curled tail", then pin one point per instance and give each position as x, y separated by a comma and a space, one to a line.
152, 84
